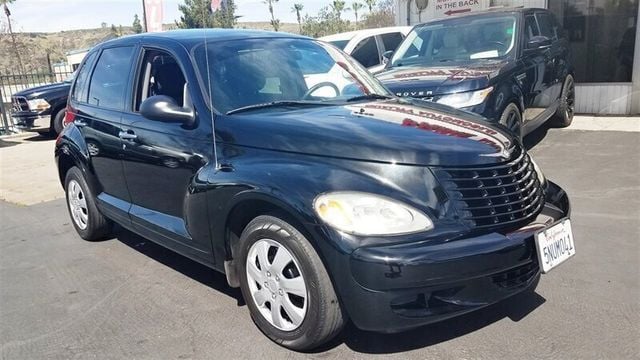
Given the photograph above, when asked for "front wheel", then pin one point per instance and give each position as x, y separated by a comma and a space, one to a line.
58, 123
512, 118
564, 115
286, 287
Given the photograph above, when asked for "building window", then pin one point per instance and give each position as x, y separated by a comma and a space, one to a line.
602, 36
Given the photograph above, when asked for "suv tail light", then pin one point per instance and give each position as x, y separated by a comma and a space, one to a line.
69, 116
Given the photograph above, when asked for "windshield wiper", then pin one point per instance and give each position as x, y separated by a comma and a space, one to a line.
369, 97
276, 104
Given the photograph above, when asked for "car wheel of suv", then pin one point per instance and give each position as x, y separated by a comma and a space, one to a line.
58, 123
85, 216
512, 118
564, 115
286, 287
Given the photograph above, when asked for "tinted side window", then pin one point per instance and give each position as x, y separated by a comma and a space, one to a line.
530, 28
391, 41
109, 81
79, 92
366, 52
546, 26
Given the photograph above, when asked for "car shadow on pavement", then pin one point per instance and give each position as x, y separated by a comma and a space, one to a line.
515, 308
535, 137
177, 262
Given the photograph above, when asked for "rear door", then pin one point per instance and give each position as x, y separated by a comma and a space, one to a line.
557, 53
98, 103
162, 160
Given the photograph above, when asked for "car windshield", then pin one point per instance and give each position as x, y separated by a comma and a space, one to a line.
458, 40
248, 72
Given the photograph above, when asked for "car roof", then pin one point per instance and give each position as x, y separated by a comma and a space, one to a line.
366, 32
191, 37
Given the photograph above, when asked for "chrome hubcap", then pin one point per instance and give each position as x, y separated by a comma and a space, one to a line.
77, 204
276, 284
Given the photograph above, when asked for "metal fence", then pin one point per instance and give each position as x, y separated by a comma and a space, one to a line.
11, 83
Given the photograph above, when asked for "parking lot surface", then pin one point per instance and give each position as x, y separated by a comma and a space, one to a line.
62, 297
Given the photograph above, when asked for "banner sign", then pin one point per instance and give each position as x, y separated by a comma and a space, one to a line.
153, 12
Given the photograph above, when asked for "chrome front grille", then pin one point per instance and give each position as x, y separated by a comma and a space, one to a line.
19, 103
494, 196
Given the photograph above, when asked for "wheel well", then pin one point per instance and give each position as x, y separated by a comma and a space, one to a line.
65, 163
242, 214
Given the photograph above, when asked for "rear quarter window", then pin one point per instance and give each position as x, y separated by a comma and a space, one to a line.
79, 92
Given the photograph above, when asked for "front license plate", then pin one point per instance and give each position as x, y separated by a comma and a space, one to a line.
555, 245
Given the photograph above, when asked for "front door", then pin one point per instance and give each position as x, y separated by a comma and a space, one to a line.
164, 161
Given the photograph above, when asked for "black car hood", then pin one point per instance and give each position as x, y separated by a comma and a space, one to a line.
394, 131
422, 81
45, 90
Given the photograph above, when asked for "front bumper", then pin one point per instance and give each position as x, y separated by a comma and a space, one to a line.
32, 121
398, 287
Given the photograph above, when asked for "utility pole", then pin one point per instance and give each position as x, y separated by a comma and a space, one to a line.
144, 16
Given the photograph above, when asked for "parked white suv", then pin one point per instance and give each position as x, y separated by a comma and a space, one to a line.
368, 46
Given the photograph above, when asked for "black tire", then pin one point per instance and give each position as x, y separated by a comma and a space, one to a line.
324, 317
512, 118
564, 115
96, 226
57, 123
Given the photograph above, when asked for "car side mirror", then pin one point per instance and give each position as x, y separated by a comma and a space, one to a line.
386, 56
538, 42
166, 109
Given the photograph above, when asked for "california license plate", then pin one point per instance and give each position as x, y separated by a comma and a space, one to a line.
555, 245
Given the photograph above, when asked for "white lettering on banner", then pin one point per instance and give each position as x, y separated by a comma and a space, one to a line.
154, 14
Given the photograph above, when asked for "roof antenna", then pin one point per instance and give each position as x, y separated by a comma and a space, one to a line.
206, 54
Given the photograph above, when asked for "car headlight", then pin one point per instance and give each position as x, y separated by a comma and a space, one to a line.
369, 214
465, 99
541, 177
38, 104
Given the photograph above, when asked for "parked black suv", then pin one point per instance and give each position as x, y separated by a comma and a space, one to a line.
41, 109
510, 66
390, 212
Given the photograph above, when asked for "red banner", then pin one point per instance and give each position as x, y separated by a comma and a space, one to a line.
153, 12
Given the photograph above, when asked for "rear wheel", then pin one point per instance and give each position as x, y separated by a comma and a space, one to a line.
564, 115
512, 118
85, 216
286, 287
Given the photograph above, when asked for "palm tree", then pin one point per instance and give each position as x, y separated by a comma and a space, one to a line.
370, 4
11, 34
338, 7
356, 6
297, 8
274, 22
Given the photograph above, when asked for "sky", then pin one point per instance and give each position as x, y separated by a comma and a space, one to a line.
57, 15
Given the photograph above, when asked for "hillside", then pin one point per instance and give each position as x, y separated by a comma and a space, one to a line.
33, 47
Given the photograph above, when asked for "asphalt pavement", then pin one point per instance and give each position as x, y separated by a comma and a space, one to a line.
62, 297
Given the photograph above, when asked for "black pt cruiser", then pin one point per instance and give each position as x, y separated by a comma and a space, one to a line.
357, 205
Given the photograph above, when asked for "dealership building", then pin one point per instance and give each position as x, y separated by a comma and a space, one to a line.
603, 35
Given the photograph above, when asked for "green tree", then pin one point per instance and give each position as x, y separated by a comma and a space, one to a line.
197, 14
383, 15
356, 6
114, 30
297, 8
7, 12
338, 7
326, 22
370, 4
274, 22
137, 26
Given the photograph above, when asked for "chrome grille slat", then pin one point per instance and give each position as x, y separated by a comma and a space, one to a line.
504, 194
